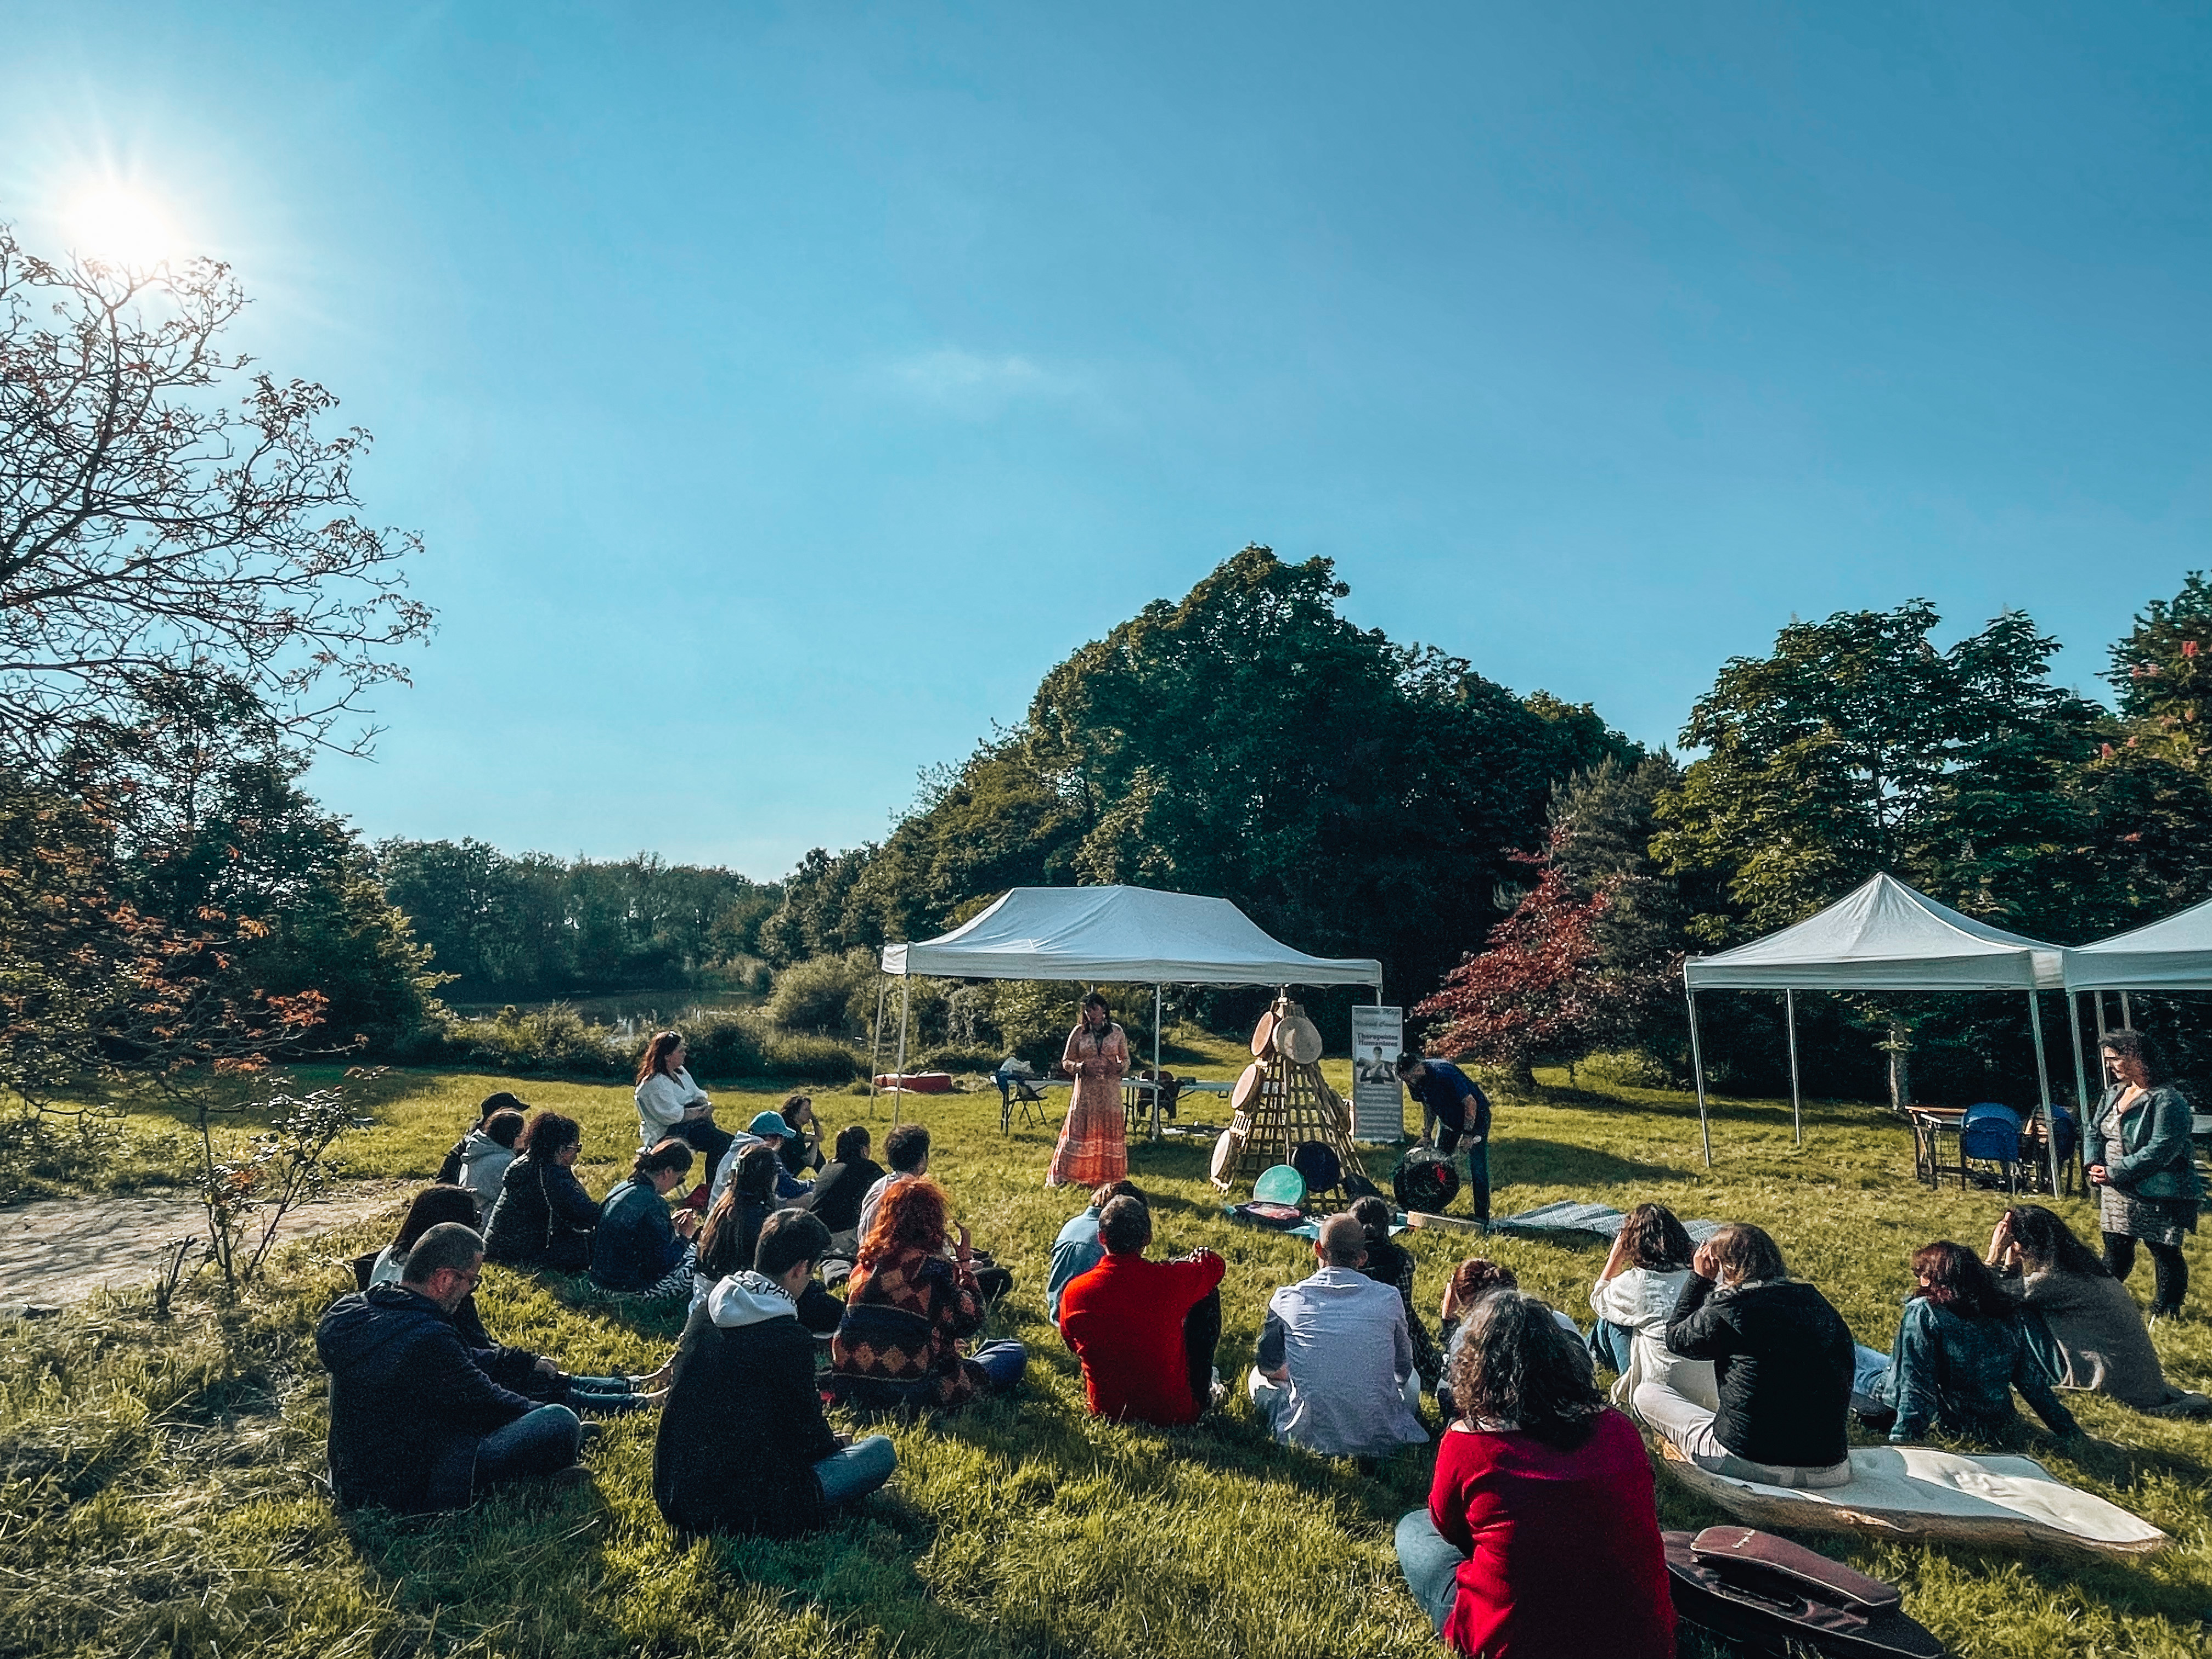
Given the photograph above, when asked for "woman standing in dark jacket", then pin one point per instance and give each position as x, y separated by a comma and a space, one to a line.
743, 1445
545, 1218
1783, 1361
2146, 1177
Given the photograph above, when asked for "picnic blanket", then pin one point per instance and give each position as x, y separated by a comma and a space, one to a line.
1566, 1217
1915, 1492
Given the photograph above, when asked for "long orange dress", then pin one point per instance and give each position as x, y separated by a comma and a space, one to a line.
1093, 1147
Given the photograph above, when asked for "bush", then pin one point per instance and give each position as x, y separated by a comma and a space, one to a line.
826, 995
557, 1041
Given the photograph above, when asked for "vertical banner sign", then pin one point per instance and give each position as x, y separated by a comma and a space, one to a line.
1378, 1108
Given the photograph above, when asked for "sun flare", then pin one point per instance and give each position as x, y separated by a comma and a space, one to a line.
118, 225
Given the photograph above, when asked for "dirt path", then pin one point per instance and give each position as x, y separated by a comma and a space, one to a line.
58, 1250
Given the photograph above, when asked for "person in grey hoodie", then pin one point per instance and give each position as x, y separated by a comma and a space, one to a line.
743, 1446
485, 1152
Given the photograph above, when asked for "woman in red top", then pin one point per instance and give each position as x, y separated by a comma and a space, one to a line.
1541, 1536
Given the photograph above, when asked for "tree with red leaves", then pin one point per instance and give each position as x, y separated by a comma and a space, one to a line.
1542, 988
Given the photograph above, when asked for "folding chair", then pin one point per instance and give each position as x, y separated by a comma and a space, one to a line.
1017, 1092
1991, 1135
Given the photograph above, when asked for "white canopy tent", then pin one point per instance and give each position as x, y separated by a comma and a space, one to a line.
1117, 933
2173, 954
1885, 936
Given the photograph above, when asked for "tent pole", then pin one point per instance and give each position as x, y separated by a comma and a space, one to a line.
2043, 1079
2127, 1013
2099, 996
898, 1088
1796, 1097
1155, 1062
2081, 1072
876, 1040
1697, 1067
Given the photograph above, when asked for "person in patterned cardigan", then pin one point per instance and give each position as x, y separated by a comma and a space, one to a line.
908, 1305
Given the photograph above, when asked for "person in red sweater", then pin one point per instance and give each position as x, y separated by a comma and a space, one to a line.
1541, 1536
1139, 1327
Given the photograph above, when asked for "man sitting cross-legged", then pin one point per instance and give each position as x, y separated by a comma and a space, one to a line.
744, 1446
1076, 1250
416, 1425
1335, 1372
1145, 1331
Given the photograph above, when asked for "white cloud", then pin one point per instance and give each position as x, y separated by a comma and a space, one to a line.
974, 386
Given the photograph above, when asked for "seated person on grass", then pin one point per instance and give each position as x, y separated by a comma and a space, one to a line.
1335, 1363
639, 1249
1783, 1364
1541, 1533
449, 1172
1390, 1263
533, 1375
906, 1149
416, 1425
1145, 1331
767, 1129
1076, 1250
2084, 1328
908, 1306
1959, 1354
545, 1218
802, 1151
1472, 1280
1634, 1301
838, 1190
732, 1233
743, 1446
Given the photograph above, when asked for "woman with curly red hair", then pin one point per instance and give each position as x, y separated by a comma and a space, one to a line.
908, 1306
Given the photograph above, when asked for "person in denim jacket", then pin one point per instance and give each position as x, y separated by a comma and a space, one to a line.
1959, 1354
2146, 1168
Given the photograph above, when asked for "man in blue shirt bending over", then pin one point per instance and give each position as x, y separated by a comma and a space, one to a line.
1454, 1111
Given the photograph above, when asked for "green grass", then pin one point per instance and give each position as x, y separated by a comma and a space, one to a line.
161, 1482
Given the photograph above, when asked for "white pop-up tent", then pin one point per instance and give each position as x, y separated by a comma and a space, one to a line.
1117, 933
2173, 954
1885, 936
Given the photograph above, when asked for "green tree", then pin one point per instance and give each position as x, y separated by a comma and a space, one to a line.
1860, 746
2163, 673
1353, 795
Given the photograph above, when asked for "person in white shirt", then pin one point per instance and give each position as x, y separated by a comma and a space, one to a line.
1633, 1299
670, 1105
1335, 1372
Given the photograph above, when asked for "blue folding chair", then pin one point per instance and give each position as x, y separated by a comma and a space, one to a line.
1990, 1134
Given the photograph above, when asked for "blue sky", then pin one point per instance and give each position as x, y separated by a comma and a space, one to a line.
780, 390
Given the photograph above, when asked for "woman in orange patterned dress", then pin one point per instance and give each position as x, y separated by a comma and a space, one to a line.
1094, 1147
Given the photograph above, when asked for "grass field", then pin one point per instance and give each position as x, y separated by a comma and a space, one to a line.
161, 1481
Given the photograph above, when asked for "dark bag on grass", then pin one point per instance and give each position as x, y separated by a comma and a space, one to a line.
1767, 1594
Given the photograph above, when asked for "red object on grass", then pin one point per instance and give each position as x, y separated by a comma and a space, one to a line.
918, 1083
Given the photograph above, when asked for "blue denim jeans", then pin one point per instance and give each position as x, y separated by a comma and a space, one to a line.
1003, 1364
543, 1442
1431, 1564
855, 1470
1610, 1344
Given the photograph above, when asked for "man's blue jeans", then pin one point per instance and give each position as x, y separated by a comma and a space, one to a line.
543, 1442
1003, 1363
1431, 1564
855, 1470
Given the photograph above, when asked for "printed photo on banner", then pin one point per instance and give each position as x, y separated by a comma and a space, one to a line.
1378, 1111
